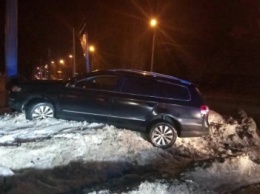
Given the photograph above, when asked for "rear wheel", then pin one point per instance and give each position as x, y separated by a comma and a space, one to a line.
40, 111
163, 135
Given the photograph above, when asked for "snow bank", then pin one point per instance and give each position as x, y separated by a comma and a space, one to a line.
50, 143
227, 137
222, 164
163, 187
226, 160
5, 171
176, 186
227, 175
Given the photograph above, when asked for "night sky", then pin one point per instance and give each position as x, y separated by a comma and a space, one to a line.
194, 39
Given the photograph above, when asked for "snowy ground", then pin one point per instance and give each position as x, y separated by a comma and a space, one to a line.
57, 156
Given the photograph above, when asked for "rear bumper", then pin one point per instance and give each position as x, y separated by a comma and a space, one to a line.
194, 132
194, 128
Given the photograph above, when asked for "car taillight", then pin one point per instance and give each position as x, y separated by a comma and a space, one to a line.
16, 89
204, 109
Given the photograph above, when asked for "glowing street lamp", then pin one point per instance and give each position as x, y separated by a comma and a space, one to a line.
61, 61
153, 24
71, 66
91, 49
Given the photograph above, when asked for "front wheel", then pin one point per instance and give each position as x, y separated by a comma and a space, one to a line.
162, 135
40, 111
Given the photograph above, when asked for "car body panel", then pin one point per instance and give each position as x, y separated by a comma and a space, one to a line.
84, 104
130, 108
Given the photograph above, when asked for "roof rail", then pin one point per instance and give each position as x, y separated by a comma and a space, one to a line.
153, 74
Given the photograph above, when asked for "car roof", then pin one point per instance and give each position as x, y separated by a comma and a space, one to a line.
140, 73
149, 74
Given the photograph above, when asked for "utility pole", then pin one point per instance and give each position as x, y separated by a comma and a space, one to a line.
11, 38
87, 54
153, 24
83, 36
74, 53
152, 55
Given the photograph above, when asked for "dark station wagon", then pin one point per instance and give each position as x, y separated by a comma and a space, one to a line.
162, 106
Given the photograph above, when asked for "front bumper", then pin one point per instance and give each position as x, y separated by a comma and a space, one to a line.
14, 105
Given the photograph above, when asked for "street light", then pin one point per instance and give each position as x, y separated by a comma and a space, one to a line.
91, 49
61, 61
71, 66
153, 24
60, 70
53, 70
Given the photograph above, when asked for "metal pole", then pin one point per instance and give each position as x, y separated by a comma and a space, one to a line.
87, 55
11, 38
74, 53
153, 45
92, 62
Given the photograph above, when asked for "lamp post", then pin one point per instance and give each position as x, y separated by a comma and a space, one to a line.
53, 70
153, 24
61, 63
92, 51
71, 66
60, 69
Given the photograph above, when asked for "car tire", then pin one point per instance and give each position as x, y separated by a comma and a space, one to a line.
162, 135
40, 111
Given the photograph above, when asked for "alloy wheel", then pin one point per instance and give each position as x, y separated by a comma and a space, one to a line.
163, 135
42, 112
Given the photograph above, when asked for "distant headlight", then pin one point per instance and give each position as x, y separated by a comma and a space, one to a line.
16, 89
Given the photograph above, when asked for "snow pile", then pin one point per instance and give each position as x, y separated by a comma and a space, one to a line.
176, 186
50, 143
6, 171
208, 177
227, 137
144, 188
225, 160
226, 175
163, 187
15, 128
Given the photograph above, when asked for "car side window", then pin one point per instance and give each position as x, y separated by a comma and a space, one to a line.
108, 82
138, 86
174, 91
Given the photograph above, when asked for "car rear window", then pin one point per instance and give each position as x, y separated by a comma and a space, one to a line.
174, 91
